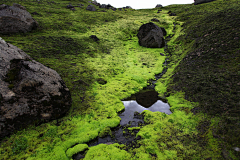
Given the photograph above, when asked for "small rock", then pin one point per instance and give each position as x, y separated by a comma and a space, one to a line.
236, 149
94, 38
155, 20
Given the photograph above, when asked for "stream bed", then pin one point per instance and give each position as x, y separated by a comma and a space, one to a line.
131, 117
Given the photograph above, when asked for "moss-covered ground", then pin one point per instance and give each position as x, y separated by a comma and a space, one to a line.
203, 73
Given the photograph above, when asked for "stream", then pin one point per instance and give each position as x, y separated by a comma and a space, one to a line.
146, 99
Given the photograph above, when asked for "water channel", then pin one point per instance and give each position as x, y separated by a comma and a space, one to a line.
146, 99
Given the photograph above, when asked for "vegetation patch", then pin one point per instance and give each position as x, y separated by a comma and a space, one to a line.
100, 74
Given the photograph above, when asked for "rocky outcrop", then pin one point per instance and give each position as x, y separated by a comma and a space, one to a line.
15, 19
158, 6
91, 8
29, 91
202, 1
150, 36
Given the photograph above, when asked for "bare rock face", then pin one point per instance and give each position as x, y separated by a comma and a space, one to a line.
150, 36
202, 1
15, 18
29, 91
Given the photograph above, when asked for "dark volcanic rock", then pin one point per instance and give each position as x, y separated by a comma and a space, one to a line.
202, 1
95, 38
70, 6
151, 36
158, 6
147, 99
171, 14
91, 8
29, 91
15, 19
155, 20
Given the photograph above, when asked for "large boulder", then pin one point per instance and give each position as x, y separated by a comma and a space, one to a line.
30, 93
202, 1
91, 8
128, 7
109, 6
150, 36
15, 19
158, 6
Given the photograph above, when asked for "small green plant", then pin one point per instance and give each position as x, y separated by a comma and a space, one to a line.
19, 145
11, 86
51, 132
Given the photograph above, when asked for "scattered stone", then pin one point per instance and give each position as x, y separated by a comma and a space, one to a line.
15, 19
151, 36
91, 8
29, 91
172, 14
80, 5
94, 38
236, 149
155, 20
34, 13
158, 6
97, 4
202, 1
101, 81
159, 11
70, 6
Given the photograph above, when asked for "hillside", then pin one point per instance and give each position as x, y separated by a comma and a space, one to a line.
201, 84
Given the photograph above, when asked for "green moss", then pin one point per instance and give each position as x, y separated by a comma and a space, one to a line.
125, 68
11, 75
132, 128
11, 86
103, 151
105, 132
78, 148
19, 145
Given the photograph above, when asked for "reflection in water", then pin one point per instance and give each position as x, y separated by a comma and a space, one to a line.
132, 106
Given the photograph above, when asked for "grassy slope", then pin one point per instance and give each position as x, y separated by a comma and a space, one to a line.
62, 43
